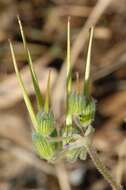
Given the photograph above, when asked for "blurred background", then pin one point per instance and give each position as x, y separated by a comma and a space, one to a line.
44, 23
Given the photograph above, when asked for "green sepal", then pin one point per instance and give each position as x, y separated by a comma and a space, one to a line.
43, 147
83, 153
72, 155
86, 117
46, 123
76, 103
83, 107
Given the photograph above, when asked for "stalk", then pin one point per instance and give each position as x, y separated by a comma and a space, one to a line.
102, 168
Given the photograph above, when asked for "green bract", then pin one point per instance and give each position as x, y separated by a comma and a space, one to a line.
82, 107
45, 149
87, 115
72, 155
76, 103
74, 149
45, 123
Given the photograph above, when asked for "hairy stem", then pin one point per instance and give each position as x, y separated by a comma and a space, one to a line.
102, 169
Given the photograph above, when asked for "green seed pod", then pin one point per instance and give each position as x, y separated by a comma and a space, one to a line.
83, 107
76, 103
45, 123
45, 149
86, 117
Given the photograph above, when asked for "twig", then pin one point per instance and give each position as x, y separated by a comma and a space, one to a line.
62, 176
120, 168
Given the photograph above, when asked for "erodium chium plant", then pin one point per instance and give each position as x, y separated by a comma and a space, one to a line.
75, 140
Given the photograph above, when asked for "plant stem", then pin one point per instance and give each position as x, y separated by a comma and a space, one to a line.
102, 169
62, 176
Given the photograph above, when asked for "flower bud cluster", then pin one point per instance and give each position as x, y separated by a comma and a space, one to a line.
46, 140
83, 107
79, 105
44, 148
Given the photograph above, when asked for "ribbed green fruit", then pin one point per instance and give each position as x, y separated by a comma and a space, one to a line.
45, 149
45, 123
83, 107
